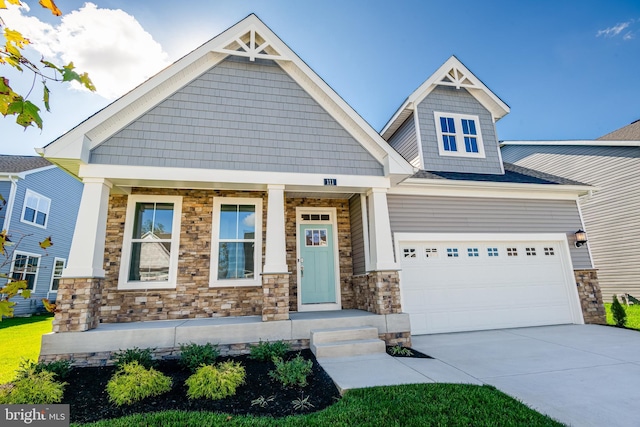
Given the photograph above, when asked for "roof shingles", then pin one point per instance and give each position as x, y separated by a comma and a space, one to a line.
17, 164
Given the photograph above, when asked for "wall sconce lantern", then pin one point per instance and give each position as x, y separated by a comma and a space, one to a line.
581, 238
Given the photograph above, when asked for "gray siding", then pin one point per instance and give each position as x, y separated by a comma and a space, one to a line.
65, 193
241, 116
611, 215
458, 101
424, 214
405, 142
357, 235
5, 192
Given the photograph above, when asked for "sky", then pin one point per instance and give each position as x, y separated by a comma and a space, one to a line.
567, 69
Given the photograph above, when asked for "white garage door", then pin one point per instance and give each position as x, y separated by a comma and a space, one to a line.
451, 286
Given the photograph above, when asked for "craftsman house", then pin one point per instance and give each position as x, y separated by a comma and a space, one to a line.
235, 197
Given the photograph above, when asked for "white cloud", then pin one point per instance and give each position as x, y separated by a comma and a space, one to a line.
250, 220
109, 44
617, 29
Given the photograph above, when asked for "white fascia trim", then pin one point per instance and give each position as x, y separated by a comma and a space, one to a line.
435, 187
44, 168
588, 142
186, 176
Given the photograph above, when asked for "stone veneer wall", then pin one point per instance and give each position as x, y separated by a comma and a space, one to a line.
344, 246
378, 292
590, 296
192, 297
78, 302
275, 305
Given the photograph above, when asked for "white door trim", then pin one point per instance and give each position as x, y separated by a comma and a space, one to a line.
336, 259
572, 291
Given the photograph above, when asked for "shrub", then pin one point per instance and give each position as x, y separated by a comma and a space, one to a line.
133, 382
36, 388
143, 356
215, 382
398, 350
192, 356
292, 373
266, 351
619, 315
61, 368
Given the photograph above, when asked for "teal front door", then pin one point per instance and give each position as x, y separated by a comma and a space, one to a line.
317, 265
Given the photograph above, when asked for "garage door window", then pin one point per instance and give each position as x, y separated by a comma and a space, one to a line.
452, 252
472, 252
512, 251
549, 251
409, 252
531, 251
431, 252
492, 252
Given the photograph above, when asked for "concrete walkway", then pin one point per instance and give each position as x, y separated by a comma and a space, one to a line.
581, 375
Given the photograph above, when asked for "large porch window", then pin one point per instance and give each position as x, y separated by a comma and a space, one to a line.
236, 255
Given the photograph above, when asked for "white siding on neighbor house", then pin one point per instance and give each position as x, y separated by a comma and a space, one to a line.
458, 101
240, 115
405, 142
611, 215
432, 214
65, 193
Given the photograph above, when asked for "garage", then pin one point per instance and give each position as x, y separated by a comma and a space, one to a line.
455, 282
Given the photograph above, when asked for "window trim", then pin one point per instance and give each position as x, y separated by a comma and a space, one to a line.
459, 135
214, 282
53, 272
125, 259
29, 254
28, 193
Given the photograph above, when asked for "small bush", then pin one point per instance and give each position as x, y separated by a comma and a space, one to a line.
61, 368
192, 356
619, 315
215, 382
143, 356
266, 351
36, 388
133, 382
292, 373
398, 350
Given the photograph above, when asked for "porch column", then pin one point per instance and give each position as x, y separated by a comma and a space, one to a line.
275, 274
380, 244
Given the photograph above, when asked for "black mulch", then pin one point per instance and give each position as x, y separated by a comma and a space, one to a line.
86, 392
414, 353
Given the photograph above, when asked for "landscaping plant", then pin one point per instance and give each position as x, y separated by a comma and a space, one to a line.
265, 351
215, 382
398, 350
133, 382
143, 356
193, 356
36, 388
619, 315
61, 368
301, 403
293, 372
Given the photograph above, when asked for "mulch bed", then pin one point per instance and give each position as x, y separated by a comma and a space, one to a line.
414, 353
87, 396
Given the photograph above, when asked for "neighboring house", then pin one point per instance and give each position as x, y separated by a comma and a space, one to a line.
41, 201
236, 185
611, 214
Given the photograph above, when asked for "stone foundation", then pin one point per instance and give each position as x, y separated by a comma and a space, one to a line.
78, 302
378, 292
397, 338
275, 300
590, 296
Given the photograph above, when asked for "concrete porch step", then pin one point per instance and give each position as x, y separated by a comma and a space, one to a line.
344, 342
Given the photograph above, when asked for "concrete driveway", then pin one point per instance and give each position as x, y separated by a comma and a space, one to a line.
581, 375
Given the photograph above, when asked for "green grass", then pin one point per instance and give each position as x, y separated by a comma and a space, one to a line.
405, 405
20, 337
633, 315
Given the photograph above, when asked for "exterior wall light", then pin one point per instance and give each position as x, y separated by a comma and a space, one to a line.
581, 238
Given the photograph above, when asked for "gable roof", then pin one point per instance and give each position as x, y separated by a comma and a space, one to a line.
249, 38
452, 73
17, 164
630, 132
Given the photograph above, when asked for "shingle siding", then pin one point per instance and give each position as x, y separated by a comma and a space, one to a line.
357, 235
65, 193
431, 214
457, 101
611, 214
241, 116
405, 142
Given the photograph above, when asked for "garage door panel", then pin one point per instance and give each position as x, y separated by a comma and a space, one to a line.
487, 285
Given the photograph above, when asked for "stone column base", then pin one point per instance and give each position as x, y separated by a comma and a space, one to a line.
378, 292
78, 302
275, 299
590, 296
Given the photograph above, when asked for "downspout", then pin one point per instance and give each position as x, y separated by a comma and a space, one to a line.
10, 203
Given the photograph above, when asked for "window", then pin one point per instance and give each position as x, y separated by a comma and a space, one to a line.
492, 252
549, 251
58, 266
452, 252
512, 251
431, 252
459, 135
407, 252
472, 252
151, 240
36, 209
236, 256
25, 267
530, 251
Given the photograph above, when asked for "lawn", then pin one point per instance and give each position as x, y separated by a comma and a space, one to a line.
633, 315
20, 337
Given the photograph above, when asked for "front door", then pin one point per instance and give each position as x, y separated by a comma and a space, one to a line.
317, 272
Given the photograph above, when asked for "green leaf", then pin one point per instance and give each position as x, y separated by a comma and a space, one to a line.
48, 64
69, 75
46, 243
27, 112
6, 309
45, 97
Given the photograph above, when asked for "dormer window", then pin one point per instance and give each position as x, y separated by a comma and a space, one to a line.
459, 135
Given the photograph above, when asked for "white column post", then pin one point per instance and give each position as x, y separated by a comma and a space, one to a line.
275, 261
380, 244
86, 257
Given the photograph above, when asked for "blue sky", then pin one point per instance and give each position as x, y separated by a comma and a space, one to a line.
567, 69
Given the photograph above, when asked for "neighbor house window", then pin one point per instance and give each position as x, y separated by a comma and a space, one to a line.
152, 237
36, 209
25, 267
459, 135
236, 257
58, 266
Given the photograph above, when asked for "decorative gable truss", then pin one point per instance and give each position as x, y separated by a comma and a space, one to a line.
457, 78
251, 45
